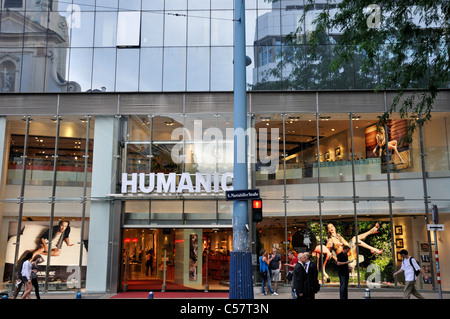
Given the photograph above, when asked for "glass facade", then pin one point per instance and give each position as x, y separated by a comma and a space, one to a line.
333, 157
49, 167
112, 46
124, 109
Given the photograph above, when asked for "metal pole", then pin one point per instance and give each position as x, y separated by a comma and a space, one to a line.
83, 199
390, 201
207, 269
285, 197
355, 198
425, 194
388, 176
241, 283
52, 202
22, 190
436, 253
164, 272
322, 268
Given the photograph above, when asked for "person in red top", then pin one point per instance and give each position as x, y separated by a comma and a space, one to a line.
290, 267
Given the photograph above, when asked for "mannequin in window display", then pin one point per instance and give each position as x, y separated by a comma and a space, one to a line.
336, 243
380, 149
322, 249
193, 257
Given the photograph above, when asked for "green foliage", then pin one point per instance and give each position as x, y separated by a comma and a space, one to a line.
413, 40
407, 51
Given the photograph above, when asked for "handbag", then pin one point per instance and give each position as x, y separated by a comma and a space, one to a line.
290, 275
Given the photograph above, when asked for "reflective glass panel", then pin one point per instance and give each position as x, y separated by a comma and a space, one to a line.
174, 76
80, 68
175, 28
198, 67
105, 29
103, 74
151, 21
221, 68
127, 74
150, 73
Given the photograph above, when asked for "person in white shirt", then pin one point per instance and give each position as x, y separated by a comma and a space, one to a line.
26, 276
409, 267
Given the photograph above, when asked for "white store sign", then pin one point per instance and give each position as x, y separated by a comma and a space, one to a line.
167, 183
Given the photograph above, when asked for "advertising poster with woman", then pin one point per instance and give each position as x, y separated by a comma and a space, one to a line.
378, 146
371, 246
64, 250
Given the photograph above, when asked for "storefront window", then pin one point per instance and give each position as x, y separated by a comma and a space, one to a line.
342, 208
436, 142
167, 143
138, 158
335, 139
50, 217
40, 158
266, 154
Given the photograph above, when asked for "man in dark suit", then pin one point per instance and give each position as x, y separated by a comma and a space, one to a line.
313, 277
300, 279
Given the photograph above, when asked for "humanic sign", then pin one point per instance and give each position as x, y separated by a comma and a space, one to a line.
209, 182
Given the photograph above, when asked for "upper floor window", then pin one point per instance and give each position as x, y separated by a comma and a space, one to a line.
129, 29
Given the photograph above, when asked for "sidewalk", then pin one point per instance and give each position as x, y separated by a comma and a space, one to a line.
283, 293
217, 304
353, 293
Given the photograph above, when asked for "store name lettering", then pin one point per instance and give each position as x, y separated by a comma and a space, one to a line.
168, 183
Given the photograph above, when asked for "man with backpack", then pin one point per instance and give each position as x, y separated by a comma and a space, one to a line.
411, 269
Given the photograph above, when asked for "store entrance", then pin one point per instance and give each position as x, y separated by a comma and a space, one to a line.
175, 259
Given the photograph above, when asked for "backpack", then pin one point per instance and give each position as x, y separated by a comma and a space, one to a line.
416, 272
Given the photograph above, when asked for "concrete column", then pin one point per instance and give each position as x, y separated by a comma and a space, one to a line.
103, 182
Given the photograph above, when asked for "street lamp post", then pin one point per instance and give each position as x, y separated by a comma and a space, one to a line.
241, 282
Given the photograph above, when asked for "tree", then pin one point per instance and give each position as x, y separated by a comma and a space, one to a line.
402, 45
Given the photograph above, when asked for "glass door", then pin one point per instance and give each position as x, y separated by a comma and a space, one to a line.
174, 259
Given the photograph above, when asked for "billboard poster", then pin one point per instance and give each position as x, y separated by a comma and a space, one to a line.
370, 250
377, 146
64, 254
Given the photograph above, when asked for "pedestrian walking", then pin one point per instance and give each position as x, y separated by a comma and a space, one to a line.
290, 273
411, 269
26, 276
19, 282
343, 271
35, 261
312, 275
300, 278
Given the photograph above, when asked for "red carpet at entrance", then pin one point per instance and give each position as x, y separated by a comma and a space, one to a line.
139, 289
153, 285
171, 295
